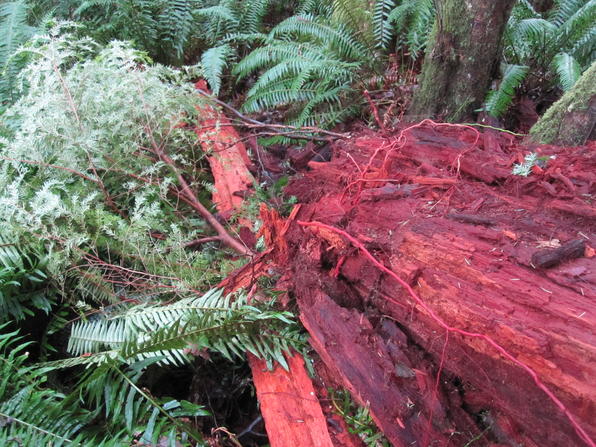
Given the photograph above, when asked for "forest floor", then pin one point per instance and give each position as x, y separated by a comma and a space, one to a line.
451, 297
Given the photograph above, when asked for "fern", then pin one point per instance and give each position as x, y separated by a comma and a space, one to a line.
568, 70
337, 37
175, 25
14, 31
413, 21
23, 280
27, 410
498, 101
564, 10
212, 321
252, 14
383, 31
559, 47
213, 62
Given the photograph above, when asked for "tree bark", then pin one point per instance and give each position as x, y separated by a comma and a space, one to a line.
460, 60
570, 121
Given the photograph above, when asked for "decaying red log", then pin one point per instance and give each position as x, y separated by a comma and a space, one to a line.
492, 349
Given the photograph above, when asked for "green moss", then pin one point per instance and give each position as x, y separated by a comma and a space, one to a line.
552, 127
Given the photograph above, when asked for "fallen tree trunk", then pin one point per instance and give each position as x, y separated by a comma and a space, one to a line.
452, 334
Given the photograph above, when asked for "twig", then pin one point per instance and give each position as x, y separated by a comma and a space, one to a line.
254, 123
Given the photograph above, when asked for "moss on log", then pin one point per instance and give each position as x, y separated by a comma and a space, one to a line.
570, 121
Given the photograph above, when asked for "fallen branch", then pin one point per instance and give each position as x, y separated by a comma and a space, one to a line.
252, 123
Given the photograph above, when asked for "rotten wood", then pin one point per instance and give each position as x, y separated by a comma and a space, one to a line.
517, 364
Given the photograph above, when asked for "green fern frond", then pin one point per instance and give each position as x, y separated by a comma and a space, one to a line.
498, 101
27, 409
413, 21
273, 54
219, 12
576, 26
564, 10
337, 37
585, 47
23, 280
213, 62
383, 31
213, 321
276, 94
356, 16
253, 12
14, 31
533, 29
175, 22
568, 70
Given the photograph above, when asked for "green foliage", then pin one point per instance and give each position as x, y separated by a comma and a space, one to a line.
358, 419
77, 138
29, 411
568, 70
213, 321
499, 100
413, 20
14, 31
214, 61
557, 47
34, 414
309, 65
383, 31
23, 280
555, 127
80, 170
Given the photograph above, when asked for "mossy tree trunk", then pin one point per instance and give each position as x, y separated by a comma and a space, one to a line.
570, 121
462, 53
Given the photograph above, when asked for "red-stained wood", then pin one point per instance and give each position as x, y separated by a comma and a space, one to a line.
289, 405
227, 156
467, 253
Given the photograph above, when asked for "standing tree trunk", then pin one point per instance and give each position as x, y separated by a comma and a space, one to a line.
461, 56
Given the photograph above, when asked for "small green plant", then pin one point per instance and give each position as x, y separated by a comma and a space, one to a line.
358, 419
524, 169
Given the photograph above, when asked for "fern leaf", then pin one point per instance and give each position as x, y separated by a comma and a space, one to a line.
253, 12
564, 10
213, 62
498, 101
14, 31
336, 37
382, 27
413, 20
568, 70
